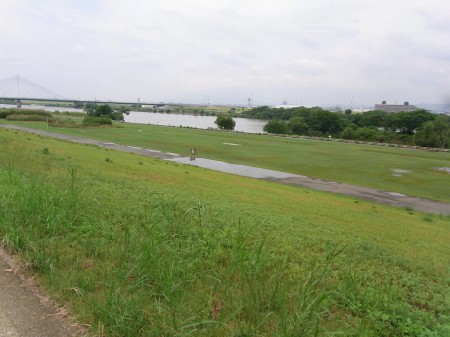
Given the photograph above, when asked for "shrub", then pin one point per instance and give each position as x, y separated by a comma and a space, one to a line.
225, 122
31, 118
366, 133
96, 121
348, 133
276, 126
62, 123
298, 125
4, 113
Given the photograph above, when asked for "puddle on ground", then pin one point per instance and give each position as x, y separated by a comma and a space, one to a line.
242, 170
395, 194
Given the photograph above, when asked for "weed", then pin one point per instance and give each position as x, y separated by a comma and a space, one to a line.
427, 218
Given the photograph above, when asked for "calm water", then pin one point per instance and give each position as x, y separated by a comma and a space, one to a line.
41, 107
157, 118
201, 122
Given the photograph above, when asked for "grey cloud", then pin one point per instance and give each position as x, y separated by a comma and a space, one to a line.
316, 51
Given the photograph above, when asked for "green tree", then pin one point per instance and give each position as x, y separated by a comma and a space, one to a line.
426, 135
442, 129
348, 133
408, 122
298, 125
373, 118
89, 109
367, 133
329, 122
104, 110
225, 122
118, 114
276, 126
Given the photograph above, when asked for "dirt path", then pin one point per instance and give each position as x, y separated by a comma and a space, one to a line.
390, 198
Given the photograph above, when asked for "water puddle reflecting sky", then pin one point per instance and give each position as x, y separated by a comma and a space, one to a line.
242, 170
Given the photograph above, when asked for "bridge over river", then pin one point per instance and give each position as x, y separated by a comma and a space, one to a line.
18, 89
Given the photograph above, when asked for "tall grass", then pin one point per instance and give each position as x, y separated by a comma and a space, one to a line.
171, 273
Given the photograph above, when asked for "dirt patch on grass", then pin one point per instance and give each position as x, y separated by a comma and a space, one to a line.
443, 169
399, 172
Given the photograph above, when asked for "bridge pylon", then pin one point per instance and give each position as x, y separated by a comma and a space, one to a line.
20, 87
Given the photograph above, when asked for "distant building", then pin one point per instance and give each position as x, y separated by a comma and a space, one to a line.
285, 106
359, 110
405, 107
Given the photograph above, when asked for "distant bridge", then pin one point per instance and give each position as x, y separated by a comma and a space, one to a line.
66, 100
19, 89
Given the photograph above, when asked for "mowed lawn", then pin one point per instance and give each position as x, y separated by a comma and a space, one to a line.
358, 164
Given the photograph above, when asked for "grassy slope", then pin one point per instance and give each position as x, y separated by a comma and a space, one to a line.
391, 278
356, 164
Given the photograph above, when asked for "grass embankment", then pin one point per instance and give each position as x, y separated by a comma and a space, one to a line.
141, 247
362, 165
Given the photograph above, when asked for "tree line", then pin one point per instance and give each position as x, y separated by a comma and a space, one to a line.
419, 127
103, 114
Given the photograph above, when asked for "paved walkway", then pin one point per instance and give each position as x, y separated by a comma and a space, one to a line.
390, 198
24, 310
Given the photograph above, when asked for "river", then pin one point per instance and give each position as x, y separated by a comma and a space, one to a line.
158, 118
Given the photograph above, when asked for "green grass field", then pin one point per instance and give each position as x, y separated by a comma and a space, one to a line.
362, 165
141, 247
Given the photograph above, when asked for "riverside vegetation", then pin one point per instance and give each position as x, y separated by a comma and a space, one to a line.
419, 127
141, 247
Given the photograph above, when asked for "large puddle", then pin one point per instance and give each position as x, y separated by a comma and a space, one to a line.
242, 170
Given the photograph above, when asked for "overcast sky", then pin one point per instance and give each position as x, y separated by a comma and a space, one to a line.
310, 52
